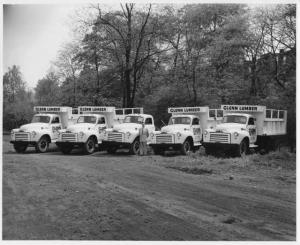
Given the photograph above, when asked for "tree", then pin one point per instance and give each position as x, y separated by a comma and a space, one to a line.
17, 102
68, 67
47, 91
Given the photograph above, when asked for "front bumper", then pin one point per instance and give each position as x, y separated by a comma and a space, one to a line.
106, 143
166, 145
65, 143
23, 142
216, 145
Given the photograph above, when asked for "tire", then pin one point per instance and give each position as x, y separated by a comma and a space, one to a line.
112, 149
89, 146
42, 145
66, 149
186, 147
135, 147
20, 148
242, 149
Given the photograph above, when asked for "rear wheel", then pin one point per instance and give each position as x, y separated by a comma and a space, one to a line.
185, 147
135, 147
89, 146
20, 148
66, 149
42, 145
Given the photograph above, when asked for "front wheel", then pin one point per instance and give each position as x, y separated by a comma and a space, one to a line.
89, 146
185, 147
242, 149
42, 145
135, 147
20, 148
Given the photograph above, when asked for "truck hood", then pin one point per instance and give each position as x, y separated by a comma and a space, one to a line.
33, 126
125, 127
230, 127
175, 128
80, 127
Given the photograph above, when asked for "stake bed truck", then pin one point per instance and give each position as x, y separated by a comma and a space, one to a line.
184, 130
43, 128
245, 127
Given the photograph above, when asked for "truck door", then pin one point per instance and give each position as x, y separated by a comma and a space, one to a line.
55, 126
196, 130
251, 127
149, 124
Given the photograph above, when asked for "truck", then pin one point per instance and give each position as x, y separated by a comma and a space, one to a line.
246, 127
184, 130
87, 132
42, 130
126, 134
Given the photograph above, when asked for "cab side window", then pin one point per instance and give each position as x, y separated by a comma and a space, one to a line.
195, 121
251, 121
101, 120
55, 120
148, 120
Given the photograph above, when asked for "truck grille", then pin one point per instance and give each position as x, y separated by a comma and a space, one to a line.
69, 137
115, 136
219, 137
22, 137
164, 139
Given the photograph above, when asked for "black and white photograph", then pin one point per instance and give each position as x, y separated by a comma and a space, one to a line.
149, 121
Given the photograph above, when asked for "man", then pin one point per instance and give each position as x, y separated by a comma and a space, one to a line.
144, 134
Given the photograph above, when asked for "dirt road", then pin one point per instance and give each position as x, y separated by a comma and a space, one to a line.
124, 197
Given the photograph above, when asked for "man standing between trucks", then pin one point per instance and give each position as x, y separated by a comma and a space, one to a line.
144, 134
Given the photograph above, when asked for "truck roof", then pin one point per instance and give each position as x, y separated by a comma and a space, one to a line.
239, 114
184, 115
91, 114
141, 115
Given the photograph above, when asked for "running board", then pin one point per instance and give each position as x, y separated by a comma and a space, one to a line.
197, 144
253, 146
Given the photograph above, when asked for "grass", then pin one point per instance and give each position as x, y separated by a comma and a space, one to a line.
199, 163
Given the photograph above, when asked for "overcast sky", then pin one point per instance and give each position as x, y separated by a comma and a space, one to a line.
32, 35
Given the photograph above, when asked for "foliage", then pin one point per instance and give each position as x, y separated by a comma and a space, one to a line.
17, 102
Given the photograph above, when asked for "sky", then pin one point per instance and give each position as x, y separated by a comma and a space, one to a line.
32, 36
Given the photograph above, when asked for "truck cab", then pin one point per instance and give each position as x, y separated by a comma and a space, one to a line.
126, 134
87, 132
43, 129
184, 130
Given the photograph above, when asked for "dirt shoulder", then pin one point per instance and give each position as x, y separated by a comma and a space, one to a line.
123, 197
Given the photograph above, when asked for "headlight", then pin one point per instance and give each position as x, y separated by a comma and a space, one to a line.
178, 134
104, 132
128, 134
236, 134
205, 132
151, 134
33, 133
81, 134
11, 132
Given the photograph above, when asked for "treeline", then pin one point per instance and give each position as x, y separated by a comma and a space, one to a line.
156, 56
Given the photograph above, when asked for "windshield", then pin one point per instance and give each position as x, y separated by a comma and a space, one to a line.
133, 119
235, 119
179, 120
42, 119
87, 119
